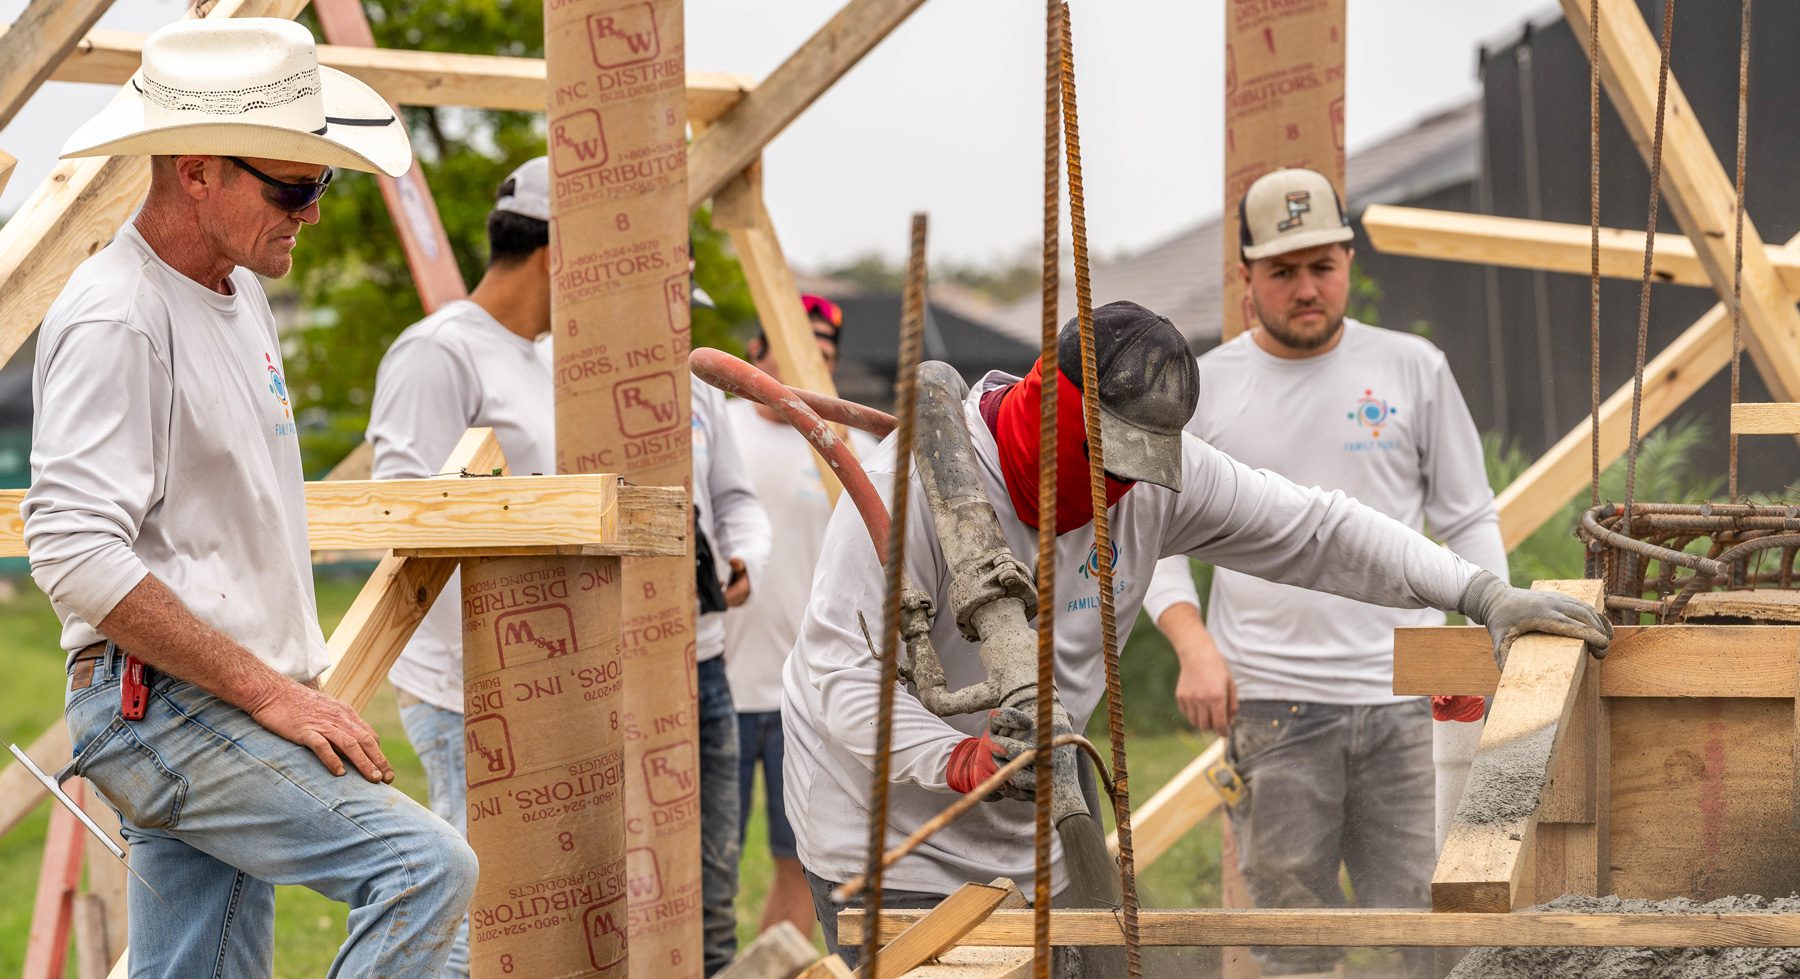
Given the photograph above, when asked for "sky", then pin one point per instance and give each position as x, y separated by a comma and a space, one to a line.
946, 115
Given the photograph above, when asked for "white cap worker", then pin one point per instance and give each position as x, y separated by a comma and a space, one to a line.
1339, 768
484, 362
1169, 494
166, 520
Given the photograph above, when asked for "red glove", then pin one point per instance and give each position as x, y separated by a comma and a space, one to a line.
971, 762
1459, 708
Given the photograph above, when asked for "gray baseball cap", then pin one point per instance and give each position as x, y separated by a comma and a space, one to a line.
1149, 386
526, 191
1289, 209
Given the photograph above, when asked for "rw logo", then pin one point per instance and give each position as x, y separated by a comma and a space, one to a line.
623, 37
646, 405
577, 142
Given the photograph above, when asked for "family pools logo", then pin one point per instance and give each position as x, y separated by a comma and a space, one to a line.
1091, 567
1373, 414
278, 388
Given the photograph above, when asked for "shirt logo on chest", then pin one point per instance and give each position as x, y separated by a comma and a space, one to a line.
1372, 414
278, 388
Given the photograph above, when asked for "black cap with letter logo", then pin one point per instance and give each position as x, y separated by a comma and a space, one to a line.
1149, 385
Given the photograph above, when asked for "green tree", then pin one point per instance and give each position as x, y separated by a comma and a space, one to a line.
350, 275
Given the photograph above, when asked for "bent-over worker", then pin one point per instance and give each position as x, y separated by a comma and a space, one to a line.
167, 522
1169, 494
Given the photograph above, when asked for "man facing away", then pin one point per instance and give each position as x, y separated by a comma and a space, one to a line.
473, 363
759, 633
167, 522
482, 362
1339, 768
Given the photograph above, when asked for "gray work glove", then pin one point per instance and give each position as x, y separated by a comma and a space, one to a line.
1510, 612
1013, 731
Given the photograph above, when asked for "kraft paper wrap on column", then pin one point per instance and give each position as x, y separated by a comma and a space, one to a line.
543, 688
619, 308
1284, 107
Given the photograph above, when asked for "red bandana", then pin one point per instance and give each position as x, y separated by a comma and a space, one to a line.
1015, 423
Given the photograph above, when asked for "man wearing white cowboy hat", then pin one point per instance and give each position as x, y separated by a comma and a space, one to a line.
167, 522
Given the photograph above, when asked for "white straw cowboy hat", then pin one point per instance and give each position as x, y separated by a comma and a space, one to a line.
245, 87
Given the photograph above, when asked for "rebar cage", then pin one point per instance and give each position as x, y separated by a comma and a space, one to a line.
1656, 561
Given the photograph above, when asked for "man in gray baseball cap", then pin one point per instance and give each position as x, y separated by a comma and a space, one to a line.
1301, 681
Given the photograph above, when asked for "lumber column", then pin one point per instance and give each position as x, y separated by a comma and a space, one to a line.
45, 34
1484, 863
1183, 803
619, 308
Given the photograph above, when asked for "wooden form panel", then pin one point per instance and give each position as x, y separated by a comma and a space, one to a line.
1483, 863
1574, 818
1701, 797
1368, 927
1646, 661
1765, 419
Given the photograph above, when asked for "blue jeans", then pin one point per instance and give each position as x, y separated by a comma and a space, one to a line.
437, 736
218, 811
759, 742
719, 845
1332, 785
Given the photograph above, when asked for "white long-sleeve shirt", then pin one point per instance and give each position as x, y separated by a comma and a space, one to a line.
730, 513
1379, 418
456, 369
163, 442
1228, 514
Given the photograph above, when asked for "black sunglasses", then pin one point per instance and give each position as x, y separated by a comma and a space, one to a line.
289, 197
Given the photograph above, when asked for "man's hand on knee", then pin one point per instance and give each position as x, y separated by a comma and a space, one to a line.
326, 725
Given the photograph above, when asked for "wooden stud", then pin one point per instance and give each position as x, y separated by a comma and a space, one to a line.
1183, 803
106, 877
7, 163
1369, 927
1574, 828
77, 210
829, 967
938, 931
738, 137
19, 791
977, 963
1739, 661
421, 78
91, 956
1765, 419
1695, 186
1482, 866
48, 947
780, 952
44, 34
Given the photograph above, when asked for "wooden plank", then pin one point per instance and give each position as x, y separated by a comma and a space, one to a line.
1764, 603
77, 210
1782, 418
358, 464
1701, 798
7, 163
421, 78
1794, 756
1730, 661
106, 880
741, 211
779, 952
447, 517
1574, 824
738, 136
829, 967
1368, 927
396, 597
91, 957
937, 932
1183, 803
1482, 865
46, 952
19, 791
977, 963
1550, 246
40, 39
1697, 189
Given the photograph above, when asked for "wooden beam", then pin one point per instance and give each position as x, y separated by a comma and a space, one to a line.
829, 967
1765, 419
490, 516
421, 78
7, 163
780, 952
1729, 661
1545, 245
392, 603
19, 791
939, 930
740, 210
77, 210
41, 38
1699, 192
1483, 862
1184, 802
738, 137
54, 911
1574, 819
1364, 927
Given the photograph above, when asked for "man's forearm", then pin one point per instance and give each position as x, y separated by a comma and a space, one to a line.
153, 625
1181, 625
